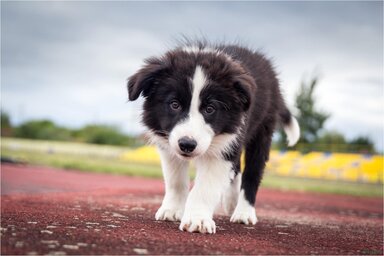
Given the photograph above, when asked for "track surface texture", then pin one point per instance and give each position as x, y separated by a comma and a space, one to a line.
50, 211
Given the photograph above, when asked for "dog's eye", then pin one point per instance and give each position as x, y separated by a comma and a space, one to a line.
175, 105
210, 109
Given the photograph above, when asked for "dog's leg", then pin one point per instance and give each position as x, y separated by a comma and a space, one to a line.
175, 172
231, 194
256, 155
212, 177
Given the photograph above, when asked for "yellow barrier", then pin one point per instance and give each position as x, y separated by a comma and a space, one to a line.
329, 166
146, 154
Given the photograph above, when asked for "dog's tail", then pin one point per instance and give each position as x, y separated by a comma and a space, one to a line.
290, 126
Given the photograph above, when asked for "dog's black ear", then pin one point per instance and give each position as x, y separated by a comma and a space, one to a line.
245, 86
143, 80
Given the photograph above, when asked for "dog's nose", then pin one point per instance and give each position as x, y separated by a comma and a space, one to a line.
187, 145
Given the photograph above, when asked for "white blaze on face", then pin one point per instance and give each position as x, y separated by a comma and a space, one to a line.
194, 126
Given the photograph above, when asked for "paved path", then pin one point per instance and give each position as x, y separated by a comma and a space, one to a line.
53, 211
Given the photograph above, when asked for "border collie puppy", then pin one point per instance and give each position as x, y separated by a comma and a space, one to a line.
207, 103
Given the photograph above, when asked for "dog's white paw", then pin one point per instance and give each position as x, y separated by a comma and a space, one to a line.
246, 215
168, 213
198, 223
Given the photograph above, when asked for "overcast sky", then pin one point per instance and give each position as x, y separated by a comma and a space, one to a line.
69, 61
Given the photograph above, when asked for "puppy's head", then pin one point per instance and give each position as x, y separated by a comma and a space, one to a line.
194, 100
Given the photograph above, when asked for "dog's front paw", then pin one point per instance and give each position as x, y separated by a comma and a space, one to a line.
198, 223
246, 215
168, 213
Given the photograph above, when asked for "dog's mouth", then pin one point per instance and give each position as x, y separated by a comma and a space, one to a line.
186, 156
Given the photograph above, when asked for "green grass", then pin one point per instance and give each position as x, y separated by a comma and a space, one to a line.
84, 163
77, 156
322, 186
106, 159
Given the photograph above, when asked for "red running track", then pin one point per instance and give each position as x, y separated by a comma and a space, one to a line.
50, 211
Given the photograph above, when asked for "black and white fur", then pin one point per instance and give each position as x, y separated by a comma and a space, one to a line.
207, 103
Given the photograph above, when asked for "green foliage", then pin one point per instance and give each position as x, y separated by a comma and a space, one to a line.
6, 126
332, 141
96, 134
47, 130
331, 137
104, 134
42, 130
363, 144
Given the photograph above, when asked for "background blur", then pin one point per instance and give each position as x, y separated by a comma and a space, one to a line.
65, 66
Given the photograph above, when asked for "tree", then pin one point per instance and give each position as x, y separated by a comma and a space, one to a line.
310, 118
104, 134
42, 130
6, 126
362, 144
311, 121
331, 141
